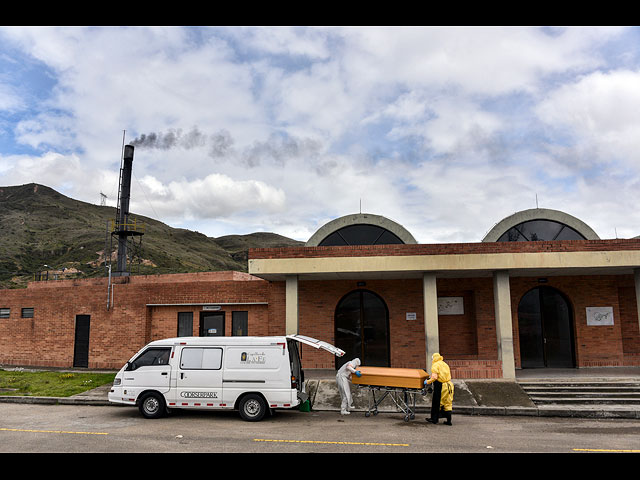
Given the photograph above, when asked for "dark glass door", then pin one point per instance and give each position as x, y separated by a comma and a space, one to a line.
212, 324
545, 329
362, 329
81, 344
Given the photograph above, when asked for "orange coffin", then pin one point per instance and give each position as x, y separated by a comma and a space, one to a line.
391, 377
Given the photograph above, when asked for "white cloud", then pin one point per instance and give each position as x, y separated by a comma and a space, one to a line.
286, 42
9, 99
599, 112
69, 174
214, 196
282, 129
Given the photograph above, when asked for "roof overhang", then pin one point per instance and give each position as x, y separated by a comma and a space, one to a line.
619, 262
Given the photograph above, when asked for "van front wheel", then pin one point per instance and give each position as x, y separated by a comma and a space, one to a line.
152, 405
252, 407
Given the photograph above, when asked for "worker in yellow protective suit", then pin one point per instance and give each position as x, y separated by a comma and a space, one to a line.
442, 400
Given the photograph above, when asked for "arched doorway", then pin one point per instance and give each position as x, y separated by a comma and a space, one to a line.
545, 325
362, 329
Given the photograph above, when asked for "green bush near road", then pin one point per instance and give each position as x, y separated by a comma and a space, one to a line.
50, 384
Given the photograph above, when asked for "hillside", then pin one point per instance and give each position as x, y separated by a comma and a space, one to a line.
39, 226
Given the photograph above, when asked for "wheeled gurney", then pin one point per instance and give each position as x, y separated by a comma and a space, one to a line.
401, 385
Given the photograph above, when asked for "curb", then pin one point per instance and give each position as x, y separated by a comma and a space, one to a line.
56, 401
560, 412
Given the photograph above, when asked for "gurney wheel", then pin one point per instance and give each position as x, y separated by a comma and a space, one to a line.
406, 418
366, 414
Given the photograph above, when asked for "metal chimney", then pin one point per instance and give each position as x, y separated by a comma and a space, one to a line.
124, 195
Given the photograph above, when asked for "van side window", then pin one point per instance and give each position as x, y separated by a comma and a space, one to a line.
196, 358
153, 356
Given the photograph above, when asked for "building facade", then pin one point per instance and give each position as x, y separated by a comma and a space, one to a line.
540, 291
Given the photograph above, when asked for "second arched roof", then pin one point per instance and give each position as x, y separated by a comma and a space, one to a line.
540, 214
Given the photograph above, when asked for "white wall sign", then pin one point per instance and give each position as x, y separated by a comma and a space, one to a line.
599, 315
450, 306
411, 315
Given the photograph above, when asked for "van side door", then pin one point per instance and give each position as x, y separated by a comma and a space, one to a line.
149, 370
199, 376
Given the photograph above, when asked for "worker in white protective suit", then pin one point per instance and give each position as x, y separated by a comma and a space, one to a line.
343, 377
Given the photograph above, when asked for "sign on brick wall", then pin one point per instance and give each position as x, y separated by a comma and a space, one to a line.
599, 315
450, 306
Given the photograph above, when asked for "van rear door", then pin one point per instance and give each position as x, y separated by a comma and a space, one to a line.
294, 356
317, 344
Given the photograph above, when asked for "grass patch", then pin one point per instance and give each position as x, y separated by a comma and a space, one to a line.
50, 384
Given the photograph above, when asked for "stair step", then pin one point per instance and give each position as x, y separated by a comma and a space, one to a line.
581, 383
579, 390
585, 401
576, 392
585, 394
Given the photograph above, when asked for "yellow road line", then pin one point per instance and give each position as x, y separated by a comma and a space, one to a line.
604, 450
332, 443
50, 431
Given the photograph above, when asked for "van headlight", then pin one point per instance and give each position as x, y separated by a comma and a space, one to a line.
117, 381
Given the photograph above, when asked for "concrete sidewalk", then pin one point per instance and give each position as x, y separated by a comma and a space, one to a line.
485, 397
471, 397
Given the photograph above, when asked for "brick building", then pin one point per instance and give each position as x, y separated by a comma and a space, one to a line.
541, 290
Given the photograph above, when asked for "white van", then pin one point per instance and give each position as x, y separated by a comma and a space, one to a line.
250, 374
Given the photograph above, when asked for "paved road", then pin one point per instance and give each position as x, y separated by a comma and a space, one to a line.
74, 429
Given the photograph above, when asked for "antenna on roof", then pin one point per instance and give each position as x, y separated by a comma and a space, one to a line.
536, 200
360, 205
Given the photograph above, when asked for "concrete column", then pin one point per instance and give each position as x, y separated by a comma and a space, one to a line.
430, 298
504, 329
636, 276
291, 304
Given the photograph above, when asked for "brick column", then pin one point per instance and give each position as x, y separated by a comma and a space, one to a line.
430, 299
636, 277
504, 328
291, 305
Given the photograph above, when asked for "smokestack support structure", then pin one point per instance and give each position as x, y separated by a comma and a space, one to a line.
123, 228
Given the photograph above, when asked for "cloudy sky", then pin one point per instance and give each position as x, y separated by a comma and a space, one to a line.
237, 130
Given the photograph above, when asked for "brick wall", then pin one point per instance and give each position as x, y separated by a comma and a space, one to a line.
468, 342
116, 334
447, 249
600, 345
466, 337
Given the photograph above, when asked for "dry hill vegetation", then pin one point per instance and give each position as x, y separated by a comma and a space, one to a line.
39, 226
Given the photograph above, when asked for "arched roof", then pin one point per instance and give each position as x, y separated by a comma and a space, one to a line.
540, 214
360, 219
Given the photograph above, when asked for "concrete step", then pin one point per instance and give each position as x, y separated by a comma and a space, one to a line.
573, 392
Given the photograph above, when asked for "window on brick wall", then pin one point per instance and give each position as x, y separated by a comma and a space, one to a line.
185, 324
27, 312
4, 312
240, 323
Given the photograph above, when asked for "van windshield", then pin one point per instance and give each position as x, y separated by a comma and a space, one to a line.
150, 357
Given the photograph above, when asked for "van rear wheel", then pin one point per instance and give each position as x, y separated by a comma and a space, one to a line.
252, 407
152, 405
